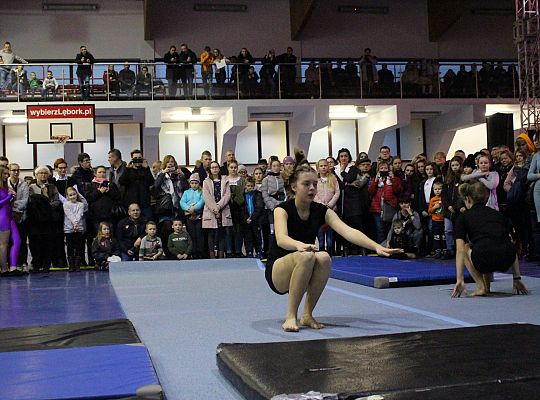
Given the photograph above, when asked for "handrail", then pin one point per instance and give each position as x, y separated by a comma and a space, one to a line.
403, 79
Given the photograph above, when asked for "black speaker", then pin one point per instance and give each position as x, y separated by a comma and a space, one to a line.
500, 130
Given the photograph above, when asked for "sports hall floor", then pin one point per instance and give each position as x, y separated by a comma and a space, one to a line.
182, 311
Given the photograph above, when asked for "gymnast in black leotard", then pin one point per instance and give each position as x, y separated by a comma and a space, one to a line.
295, 265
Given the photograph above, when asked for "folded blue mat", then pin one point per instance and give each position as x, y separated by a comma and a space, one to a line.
380, 272
101, 372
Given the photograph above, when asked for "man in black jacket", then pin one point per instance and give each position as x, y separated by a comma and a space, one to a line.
127, 81
171, 58
129, 232
83, 177
137, 180
84, 71
187, 58
287, 68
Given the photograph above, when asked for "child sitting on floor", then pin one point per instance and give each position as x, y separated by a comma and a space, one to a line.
105, 248
399, 239
151, 246
179, 242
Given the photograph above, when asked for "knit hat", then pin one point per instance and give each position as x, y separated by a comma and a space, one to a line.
195, 177
242, 167
530, 145
470, 161
288, 159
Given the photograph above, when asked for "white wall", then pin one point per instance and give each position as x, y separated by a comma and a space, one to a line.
117, 30
470, 140
411, 139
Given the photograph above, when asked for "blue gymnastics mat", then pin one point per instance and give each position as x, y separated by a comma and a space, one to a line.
381, 273
102, 372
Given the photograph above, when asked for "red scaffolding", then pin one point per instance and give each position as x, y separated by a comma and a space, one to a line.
527, 39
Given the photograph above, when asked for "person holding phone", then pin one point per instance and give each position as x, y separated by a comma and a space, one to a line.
137, 181
384, 188
101, 196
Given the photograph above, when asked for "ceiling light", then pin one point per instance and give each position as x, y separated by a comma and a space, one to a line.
183, 116
15, 120
347, 112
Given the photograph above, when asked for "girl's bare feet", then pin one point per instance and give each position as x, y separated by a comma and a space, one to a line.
290, 325
309, 321
480, 292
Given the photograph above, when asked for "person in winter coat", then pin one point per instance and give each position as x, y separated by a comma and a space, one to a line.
192, 203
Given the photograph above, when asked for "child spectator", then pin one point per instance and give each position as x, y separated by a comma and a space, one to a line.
179, 242
20, 81
252, 211
50, 85
437, 219
489, 179
151, 246
35, 84
328, 193
399, 239
192, 203
111, 81
424, 192
74, 227
104, 247
452, 203
410, 221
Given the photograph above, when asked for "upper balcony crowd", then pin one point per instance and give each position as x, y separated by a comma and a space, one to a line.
210, 75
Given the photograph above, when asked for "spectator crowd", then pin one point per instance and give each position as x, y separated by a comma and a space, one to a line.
135, 210
268, 77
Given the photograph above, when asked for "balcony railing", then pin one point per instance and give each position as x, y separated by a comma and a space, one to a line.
236, 81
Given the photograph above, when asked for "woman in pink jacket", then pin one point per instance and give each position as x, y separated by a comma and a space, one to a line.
328, 194
216, 213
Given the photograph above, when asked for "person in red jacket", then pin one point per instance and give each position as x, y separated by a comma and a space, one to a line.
385, 188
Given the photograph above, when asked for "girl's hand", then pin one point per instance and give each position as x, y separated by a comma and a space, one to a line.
386, 252
307, 247
459, 288
451, 209
462, 209
519, 287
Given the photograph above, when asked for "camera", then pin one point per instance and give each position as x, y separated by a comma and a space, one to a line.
104, 184
137, 161
384, 174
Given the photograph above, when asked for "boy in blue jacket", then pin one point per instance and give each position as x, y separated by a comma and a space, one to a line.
192, 202
251, 215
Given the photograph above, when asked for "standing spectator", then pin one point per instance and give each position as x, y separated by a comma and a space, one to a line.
346, 172
351, 73
207, 61
74, 227
407, 184
110, 80
8, 57
268, 74
187, 59
61, 180
440, 159
328, 194
385, 188
84, 71
436, 211
129, 232
43, 216
8, 228
386, 81
20, 191
220, 62
273, 191
84, 174
50, 85
127, 80
235, 236
172, 74
144, 82
118, 168
168, 187
244, 60
424, 193
505, 164
489, 179
252, 211
192, 203
452, 203
252, 82
137, 180
203, 165
287, 69
229, 157
312, 80
385, 155
102, 196
216, 213
368, 67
